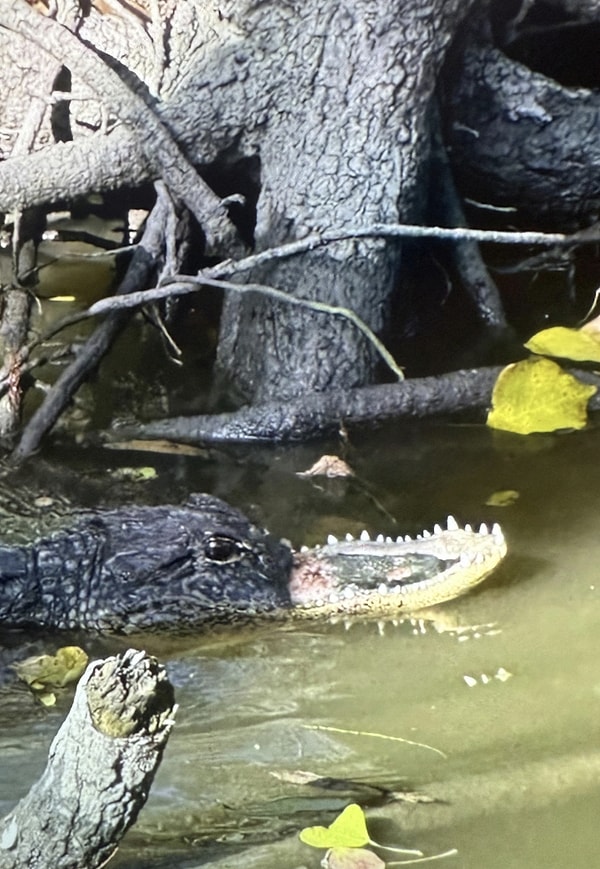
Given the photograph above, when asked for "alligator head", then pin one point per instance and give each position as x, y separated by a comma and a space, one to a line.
133, 568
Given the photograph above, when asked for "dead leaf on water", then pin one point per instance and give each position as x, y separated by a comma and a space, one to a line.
41, 672
156, 446
328, 466
503, 498
351, 858
135, 475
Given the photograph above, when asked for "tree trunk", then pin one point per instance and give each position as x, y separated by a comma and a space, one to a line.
344, 137
100, 768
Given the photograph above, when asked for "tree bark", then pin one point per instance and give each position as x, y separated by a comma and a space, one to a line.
318, 113
100, 768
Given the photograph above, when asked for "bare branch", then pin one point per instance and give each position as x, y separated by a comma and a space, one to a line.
158, 146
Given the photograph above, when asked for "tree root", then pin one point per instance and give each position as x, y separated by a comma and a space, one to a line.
318, 414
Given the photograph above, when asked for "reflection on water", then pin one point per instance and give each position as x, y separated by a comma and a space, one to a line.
518, 783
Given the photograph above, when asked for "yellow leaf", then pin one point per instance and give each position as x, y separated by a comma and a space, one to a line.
502, 498
575, 344
536, 395
349, 830
52, 671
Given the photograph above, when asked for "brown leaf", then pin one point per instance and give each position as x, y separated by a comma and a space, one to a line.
351, 858
328, 466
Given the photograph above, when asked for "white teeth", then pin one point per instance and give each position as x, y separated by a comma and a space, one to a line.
382, 589
479, 558
380, 538
365, 536
331, 540
452, 523
304, 549
437, 529
348, 593
407, 538
381, 628
483, 529
426, 534
349, 538
388, 540
497, 531
333, 598
469, 529
400, 539
465, 559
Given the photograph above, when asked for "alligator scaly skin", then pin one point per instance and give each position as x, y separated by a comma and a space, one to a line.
134, 568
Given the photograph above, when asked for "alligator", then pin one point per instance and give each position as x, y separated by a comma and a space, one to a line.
133, 568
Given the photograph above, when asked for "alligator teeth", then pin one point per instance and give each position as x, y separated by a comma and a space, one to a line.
388, 540
437, 529
382, 589
497, 532
407, 538
469, 529
365, 536
465, 559
304, 549
381, 628
479, 558
380, 538
331, 540
426, 534
348, 592
452, 523
483, 529
349, 538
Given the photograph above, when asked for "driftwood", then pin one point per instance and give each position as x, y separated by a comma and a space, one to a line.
100, 768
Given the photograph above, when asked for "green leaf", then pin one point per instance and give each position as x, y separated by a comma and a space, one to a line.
575, 344
536, 395
349, 830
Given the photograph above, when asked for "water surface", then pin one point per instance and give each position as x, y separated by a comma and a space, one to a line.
517, 780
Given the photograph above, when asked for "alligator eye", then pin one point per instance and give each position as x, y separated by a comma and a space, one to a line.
222, 549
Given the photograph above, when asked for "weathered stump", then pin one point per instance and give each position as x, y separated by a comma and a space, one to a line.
100, 768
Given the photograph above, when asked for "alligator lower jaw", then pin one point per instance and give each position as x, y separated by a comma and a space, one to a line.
386, 577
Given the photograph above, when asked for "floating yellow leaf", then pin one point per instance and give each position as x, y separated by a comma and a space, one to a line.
575, 344
349, 830
502, 498
536, 395
52, 671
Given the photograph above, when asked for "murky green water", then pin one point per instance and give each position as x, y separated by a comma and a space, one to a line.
518, 785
